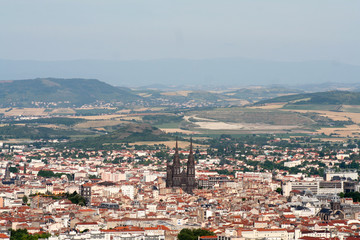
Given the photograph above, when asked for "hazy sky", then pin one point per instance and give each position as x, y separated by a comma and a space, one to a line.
194, 29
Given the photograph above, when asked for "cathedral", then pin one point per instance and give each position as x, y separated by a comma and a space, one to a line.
184, 179
7, 180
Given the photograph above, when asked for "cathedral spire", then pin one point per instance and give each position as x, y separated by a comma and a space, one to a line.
176, 167
7, 171
176, 147
191, 184
191, 146
191, 160
176, 154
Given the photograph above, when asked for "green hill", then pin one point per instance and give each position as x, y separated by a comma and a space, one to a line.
319, 98
35, 132
60, 92
124, 134
253, 94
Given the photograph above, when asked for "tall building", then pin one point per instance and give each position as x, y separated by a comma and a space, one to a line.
7, 180
7, 172
184, 179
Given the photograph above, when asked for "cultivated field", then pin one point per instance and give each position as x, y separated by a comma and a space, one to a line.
352, 108
270, 118
61, 111
178, 130
98, 124
23, 111
102, 117
347, 131
337, 116
269, 106
53, 126
248, 120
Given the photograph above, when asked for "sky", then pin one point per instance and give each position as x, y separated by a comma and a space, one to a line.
278, 30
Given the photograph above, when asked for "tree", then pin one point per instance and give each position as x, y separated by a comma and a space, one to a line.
193, 234
224, 161
186, 234
76, 198
25, 199
22, 234
13, 169
279, 190
354, 195
342, 165
162, 155
46, 173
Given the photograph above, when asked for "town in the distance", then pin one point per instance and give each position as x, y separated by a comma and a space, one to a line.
167, 169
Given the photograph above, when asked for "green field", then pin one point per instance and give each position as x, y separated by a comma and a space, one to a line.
353, 109
243, 115
169, 125
312, 107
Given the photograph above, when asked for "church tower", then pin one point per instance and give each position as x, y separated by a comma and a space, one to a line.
169, 173
184, 179
176, 168
7, 172
191, 184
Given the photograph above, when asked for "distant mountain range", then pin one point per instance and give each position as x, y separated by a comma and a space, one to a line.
54, 92
76, 92
181, 72
67, 92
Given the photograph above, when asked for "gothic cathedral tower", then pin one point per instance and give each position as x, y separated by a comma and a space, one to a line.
185, 178
191, 184
176, 168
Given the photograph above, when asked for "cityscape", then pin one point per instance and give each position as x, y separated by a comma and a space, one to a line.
132, 194
179, 120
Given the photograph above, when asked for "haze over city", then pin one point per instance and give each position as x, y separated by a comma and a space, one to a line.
242, 33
